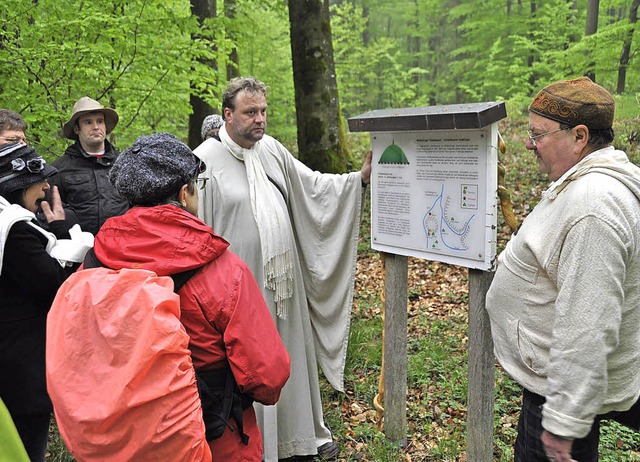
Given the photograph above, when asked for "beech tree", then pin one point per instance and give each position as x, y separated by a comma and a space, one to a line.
321, 142
202, 10
626, 48
232, 64
591, 28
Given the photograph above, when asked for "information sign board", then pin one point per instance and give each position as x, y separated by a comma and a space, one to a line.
434, 195
434, 181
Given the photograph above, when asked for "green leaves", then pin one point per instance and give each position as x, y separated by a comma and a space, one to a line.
134, 56
146, 57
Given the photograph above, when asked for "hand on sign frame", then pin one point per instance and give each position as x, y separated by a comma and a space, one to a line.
365, 171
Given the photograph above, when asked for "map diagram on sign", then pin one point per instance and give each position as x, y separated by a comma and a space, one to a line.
445, 229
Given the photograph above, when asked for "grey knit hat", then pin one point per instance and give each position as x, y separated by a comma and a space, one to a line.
153, 169
209, 123
21, 167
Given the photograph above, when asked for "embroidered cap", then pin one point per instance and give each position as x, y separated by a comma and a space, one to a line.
575, 102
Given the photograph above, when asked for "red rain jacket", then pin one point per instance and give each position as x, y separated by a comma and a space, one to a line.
222, 307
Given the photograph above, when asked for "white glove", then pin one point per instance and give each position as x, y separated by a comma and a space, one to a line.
72, 250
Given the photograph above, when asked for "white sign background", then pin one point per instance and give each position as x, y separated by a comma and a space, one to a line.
434, 195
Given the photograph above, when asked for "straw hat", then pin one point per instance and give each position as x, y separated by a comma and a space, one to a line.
86, 105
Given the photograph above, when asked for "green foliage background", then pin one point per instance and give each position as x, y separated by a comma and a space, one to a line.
141, 57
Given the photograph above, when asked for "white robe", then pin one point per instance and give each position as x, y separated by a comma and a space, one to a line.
324, 218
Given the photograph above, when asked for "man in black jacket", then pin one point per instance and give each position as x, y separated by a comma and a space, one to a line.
83, 179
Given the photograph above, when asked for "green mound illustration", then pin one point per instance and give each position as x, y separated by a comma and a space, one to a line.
393, 154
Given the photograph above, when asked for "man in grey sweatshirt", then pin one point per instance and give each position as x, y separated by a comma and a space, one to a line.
565, 301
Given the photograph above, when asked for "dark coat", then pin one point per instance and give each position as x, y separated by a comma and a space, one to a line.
29, 281
83, 182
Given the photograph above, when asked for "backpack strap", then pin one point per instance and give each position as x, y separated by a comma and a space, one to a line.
91, 261
180, 279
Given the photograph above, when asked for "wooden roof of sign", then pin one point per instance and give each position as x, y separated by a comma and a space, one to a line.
448, 117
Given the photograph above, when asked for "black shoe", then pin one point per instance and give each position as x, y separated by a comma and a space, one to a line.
328, 451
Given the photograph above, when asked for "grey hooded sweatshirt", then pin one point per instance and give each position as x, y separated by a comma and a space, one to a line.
565, 300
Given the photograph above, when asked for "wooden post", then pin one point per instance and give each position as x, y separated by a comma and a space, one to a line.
481, 371
395, 349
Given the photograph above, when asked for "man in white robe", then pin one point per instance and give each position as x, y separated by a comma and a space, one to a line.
297, 229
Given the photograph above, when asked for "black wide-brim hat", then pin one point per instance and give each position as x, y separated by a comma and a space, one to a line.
15, 174
86, 105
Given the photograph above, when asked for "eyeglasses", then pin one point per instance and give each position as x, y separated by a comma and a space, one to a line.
201, 182
533, 138
13, 139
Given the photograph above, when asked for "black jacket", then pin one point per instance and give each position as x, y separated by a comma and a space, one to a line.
84, 185
29, 281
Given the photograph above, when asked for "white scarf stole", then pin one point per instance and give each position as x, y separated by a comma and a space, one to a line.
275, 238
12, 213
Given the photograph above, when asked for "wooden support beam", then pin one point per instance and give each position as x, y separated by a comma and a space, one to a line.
481, 371
395, 349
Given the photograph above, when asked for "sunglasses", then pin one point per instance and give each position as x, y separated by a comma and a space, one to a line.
200, 168
33, 165
19, 165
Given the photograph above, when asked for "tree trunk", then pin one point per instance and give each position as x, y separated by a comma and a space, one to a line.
233, 64
590, 29
366, 34
530, 59
626, 48
201, 9
321, 138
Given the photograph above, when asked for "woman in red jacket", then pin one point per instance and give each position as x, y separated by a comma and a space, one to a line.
222, 308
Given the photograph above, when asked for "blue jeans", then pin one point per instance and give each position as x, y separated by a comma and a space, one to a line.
529, 447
